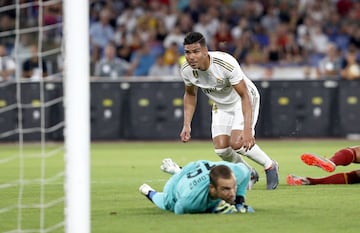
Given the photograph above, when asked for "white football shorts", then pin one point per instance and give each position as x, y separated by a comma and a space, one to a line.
224, 121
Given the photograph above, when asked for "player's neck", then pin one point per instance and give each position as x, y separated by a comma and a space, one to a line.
205, 66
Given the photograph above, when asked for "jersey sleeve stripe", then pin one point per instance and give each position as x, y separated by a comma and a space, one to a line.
224, 64
184, 66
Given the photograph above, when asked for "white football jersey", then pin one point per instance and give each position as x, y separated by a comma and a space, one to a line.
216, 82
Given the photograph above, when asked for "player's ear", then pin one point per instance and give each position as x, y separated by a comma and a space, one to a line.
206, 52
212, 189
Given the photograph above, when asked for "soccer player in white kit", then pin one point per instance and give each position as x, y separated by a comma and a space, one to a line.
235, 109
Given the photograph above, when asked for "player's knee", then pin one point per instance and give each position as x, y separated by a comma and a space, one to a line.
225, 153
235, 144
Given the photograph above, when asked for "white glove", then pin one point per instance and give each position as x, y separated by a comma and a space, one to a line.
169, 166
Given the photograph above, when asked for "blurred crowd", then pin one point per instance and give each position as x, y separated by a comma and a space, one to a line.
36, 30
319, 38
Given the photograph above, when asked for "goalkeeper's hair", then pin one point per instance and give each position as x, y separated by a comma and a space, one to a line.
219, 171
195, 37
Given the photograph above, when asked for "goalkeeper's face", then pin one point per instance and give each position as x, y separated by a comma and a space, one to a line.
225, 189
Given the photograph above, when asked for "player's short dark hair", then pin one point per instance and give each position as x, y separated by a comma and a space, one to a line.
219, 171
195, 37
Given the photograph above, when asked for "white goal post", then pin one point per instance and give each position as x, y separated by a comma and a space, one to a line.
77, 116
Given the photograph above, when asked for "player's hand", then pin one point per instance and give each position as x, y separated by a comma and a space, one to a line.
169, 166
225, 208
185, 134
242, 208
248, 140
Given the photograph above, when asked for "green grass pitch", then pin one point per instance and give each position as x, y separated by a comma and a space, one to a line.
119, 168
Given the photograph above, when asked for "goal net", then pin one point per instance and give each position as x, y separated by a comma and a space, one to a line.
44, 158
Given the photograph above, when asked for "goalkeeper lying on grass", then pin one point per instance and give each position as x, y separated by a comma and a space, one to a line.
202, 187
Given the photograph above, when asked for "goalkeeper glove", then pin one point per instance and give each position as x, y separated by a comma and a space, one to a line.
242, 208
225, 208
169, 166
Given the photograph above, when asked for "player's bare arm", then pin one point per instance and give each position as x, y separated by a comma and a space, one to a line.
248, 140
190, 99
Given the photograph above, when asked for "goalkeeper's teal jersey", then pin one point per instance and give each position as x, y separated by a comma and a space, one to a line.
188, 190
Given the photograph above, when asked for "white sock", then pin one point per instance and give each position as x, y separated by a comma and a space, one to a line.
228, 154
257, 155
240, 159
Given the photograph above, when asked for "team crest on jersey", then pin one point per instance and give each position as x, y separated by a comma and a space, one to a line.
195, 73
